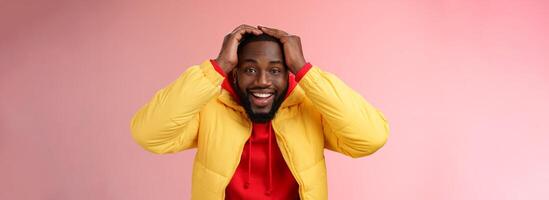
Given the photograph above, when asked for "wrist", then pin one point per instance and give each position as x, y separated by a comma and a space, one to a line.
298, 66
301, 73
224, 65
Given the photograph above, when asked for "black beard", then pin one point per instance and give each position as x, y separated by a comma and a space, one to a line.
260, 117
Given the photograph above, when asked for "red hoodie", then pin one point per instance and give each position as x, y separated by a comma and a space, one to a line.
262, 172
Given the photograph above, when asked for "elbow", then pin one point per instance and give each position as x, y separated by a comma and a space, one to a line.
368, 148
137, 132
371, 142
140, 136
158, 141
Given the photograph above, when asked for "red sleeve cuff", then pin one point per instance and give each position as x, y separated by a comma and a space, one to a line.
301, 73
217, 68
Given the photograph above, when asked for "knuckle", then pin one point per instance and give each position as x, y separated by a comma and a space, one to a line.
245, 26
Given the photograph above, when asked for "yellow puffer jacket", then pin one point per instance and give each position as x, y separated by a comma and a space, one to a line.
321, 112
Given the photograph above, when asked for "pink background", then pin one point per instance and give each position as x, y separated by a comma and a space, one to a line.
464, 84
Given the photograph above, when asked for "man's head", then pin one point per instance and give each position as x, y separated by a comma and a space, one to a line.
261, 76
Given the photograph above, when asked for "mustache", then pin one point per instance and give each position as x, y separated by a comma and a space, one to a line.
261, 88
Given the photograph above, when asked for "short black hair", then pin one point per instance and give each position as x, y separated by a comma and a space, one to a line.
247, 38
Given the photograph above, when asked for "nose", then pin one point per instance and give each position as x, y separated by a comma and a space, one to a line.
263, 79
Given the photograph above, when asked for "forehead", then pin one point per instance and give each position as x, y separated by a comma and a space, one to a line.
259, 50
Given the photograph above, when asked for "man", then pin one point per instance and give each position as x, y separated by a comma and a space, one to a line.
260, 117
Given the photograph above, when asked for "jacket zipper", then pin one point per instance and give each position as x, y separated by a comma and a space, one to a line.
289, 162
238, 158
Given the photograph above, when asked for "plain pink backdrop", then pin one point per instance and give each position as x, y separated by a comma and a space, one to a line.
464, 85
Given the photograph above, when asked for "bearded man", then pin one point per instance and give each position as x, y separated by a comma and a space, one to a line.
260, 117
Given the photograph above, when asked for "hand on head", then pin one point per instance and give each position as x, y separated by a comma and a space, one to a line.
293, 53
228, 57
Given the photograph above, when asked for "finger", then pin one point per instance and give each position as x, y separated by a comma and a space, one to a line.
244, 31
248, 28
240, 33
242, 26
273, 32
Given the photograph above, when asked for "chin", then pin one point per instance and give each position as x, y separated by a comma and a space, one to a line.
261, 111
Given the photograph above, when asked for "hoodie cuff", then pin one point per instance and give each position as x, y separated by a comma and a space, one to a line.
301, 73
217, 68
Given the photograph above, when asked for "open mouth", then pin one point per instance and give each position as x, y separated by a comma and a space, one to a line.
261, 99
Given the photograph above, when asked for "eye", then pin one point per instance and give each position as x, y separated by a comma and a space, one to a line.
250, 70
275, 71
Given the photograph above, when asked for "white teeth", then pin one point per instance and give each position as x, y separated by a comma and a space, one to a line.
262, 95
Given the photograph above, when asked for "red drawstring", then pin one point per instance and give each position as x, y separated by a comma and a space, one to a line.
247, 183
270, 188
270, 157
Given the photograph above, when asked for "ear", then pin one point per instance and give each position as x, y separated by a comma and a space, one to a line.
234, 75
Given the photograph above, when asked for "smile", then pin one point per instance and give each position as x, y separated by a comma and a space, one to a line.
262, 95
261, 99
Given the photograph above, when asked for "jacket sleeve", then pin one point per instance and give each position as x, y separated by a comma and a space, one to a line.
169, 122
351, 125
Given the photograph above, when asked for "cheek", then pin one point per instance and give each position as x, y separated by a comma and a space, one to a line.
281, 84
241, 87
243, 84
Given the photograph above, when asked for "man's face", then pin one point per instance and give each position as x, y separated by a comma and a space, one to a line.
261, 78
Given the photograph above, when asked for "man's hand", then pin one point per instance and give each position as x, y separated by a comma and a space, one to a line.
228, 58
292, 48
